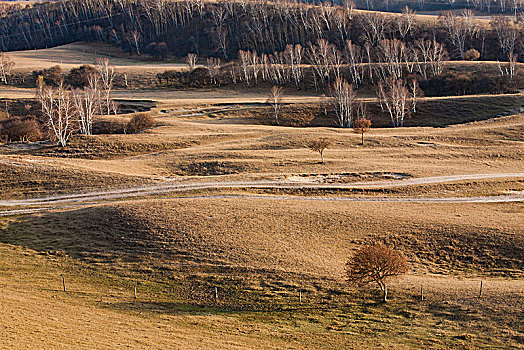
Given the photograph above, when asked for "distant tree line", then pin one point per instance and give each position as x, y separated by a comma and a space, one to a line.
223, 29
321, 64
514, 7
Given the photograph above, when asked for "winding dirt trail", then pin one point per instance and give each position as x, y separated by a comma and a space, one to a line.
74, 200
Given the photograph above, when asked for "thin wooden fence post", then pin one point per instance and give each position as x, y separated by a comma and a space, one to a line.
422, 292
300, 296
63, 283
135, 289
216, 295
480, 291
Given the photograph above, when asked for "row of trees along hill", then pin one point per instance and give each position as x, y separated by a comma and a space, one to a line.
513, 7
222, 29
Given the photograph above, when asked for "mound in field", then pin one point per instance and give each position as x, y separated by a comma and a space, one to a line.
259, 236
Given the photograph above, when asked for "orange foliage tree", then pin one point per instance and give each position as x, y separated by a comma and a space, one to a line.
361, 125
376, 264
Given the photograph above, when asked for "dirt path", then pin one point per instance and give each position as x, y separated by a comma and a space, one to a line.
65, 201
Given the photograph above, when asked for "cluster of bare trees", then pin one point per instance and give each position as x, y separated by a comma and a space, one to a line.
508, 34
504, 6
391, 57
104, 81
68, 111
57, 108
460, 29
279, 68
398, 99
213, 65
191, 60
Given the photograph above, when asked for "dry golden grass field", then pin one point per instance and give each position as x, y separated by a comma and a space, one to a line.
217, 196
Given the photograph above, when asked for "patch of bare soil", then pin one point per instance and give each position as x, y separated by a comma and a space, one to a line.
335, 178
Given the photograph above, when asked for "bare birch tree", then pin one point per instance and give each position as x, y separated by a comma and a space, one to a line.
509, 69
374, 25
319, 57
220, 31
191, 60
106, 74
437, 55
405, 22
275, 100
354, 58
430, 57
134, 38
392, 54
6, 67
415, 92
87, 104
507, 33
245, 64
213, 68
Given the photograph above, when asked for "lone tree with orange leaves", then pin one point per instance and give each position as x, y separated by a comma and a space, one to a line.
376, 263
362, 124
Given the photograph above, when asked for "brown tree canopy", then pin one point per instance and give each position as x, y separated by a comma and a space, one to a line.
360, 126
376, 264
319, 146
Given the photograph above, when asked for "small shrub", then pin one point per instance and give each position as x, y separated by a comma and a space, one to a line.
79, 77
471, 55
18, 129
197, 77
139, 122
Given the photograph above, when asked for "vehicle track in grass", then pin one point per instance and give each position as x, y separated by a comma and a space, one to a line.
31, 205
